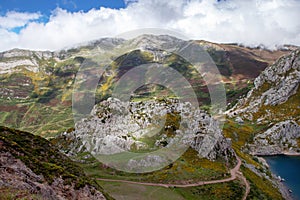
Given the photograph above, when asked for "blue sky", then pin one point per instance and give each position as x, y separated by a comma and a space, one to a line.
56, 24
46, 6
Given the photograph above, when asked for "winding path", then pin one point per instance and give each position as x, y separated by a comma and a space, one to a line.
247, 185
233, 172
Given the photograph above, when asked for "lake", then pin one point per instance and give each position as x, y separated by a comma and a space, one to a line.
288, 167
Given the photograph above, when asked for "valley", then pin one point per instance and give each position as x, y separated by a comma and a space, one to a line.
111, 149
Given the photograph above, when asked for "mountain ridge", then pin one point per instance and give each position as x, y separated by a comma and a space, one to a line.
45, 81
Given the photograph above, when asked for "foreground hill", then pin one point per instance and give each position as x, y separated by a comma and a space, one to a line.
36, 87
31, 168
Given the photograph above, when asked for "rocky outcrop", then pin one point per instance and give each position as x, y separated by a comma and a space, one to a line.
273, 87
281, 137
274, 101
17, 59
116, 126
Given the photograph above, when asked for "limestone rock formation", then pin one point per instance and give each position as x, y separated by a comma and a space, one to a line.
273, 87
115, 127
281, 137
274, 102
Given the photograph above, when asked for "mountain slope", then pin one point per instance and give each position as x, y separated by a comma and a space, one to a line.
32, 168
274, 103
276, 91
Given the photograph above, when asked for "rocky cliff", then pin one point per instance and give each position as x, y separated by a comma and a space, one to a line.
273, 88
274, 102
280, 138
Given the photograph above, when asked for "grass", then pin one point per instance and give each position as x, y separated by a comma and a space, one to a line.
287, 110
42, 119
47, 111
124, 191
52, 116
39, 156
231, 190
241, 134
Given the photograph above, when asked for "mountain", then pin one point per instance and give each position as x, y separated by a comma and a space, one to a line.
36, 96
31, 168
274, 102
37, 86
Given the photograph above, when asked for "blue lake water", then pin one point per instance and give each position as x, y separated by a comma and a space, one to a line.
288, 167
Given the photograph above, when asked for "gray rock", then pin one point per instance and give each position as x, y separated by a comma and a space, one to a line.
239, 120
280, 138
115, 127
274, 86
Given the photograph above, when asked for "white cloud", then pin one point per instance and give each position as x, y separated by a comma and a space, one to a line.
253, 22
130, 1
15, 19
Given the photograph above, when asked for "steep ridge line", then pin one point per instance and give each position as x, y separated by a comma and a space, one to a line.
234, 174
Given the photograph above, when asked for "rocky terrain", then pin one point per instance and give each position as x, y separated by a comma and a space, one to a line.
31, 168
282, 137
115, 127
274, 102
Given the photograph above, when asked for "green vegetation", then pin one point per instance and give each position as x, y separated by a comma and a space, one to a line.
231, 190
220, 59
46, 120
47, 112
287, 110
241, 134
260, 187
235, 91
134, 191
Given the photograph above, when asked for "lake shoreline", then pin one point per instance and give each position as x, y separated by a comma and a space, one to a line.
291, 154
286, 153
283, 187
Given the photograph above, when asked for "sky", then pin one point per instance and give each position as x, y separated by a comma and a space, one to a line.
57, 24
